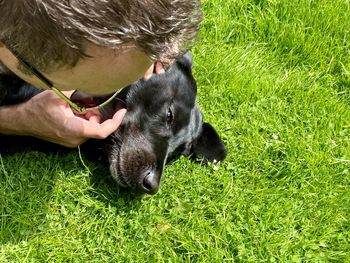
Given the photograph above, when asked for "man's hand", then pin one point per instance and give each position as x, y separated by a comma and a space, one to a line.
49, 118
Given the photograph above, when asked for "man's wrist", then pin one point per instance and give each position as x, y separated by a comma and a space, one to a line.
11, 120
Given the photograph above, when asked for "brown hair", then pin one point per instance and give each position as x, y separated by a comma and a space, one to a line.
51, 32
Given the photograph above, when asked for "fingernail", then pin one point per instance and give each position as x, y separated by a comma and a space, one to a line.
121, 113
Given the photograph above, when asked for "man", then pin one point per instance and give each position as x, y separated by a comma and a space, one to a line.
94, 46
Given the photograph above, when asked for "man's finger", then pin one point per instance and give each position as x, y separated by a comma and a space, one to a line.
159, 69
101, 131
95, 118
148, 73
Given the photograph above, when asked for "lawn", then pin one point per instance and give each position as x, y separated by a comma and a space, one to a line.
274, 79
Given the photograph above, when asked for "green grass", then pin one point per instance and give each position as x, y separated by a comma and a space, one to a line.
274, 79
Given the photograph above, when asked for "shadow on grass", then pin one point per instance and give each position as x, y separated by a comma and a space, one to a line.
38, 179
106, 190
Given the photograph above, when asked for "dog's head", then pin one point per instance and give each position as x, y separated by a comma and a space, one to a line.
163, 121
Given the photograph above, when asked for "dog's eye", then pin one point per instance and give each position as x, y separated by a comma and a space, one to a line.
169, 117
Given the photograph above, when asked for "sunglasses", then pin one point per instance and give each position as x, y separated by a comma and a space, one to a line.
80, 106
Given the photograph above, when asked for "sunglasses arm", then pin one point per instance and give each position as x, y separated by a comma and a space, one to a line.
67, 100
77, 108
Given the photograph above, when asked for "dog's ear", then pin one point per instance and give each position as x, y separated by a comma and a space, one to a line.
208, 145
186, 60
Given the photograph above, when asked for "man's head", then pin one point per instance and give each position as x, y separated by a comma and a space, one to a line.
95, 46
50, 33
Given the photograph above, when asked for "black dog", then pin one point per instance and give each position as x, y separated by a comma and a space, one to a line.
163, 121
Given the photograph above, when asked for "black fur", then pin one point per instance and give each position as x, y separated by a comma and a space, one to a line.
163, 122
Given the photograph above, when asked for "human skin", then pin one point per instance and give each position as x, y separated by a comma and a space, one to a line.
46, 116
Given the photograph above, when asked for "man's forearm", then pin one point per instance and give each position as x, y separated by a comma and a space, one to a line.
11, 120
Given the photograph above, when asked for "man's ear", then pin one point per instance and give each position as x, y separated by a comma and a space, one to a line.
208, 145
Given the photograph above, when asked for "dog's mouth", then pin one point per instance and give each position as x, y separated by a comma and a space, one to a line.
146, 181
117, 175
114, 162
135, 170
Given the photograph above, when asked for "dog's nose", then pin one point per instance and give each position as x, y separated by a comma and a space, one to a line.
150, 183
